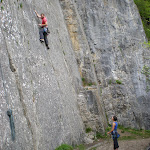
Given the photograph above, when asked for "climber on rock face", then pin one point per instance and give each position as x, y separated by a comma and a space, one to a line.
43, 31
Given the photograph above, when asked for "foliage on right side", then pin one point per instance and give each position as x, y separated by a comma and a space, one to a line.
144, 10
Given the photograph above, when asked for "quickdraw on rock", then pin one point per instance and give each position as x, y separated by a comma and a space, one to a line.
9, 112
12, 125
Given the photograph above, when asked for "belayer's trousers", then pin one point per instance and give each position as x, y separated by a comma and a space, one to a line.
115, 143
43, 35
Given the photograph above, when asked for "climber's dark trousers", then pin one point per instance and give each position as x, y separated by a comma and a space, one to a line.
43, 35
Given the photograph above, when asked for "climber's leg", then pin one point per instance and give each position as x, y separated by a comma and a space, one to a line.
41, 32
46, 40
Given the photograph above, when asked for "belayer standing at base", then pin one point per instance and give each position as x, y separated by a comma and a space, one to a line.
43, 31
115, 134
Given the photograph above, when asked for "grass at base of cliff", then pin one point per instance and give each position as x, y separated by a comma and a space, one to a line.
126, 133
64, 147
80, 147
135, 133
127, 138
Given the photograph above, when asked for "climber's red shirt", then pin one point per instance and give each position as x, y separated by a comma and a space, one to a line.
44, 20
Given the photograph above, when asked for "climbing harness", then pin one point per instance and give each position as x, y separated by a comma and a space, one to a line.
115, 134
9, 112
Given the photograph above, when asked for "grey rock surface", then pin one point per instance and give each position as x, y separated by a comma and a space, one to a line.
90, 103
41, 86
56, 94
115, 35
88, 140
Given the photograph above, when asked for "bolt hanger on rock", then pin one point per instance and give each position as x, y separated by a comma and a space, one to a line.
9, 112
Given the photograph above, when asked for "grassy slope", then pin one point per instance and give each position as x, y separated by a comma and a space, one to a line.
133, 133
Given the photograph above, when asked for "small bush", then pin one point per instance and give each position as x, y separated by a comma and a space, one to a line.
147, 44
146, 72
2, 8
118, 82
122, 131
85, 83
88, 130
108, 129
99, 135
64, 147
83, 79
110, 81
90, 84
21, 5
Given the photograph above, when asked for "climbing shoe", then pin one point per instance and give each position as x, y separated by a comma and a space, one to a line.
41, 40
47, 46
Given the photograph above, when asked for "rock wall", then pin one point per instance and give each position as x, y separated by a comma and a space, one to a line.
56, 94
115, 35
90, 103
42, 86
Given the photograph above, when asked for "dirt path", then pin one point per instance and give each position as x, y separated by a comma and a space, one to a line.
139, 144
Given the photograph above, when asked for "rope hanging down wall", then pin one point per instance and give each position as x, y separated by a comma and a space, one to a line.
9, 112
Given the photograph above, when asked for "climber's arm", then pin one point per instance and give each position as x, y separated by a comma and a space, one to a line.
113, 127
37, 14
43, 25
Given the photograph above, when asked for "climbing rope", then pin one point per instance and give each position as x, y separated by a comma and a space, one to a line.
9, 112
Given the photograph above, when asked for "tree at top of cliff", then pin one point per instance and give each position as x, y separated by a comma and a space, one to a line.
144, 9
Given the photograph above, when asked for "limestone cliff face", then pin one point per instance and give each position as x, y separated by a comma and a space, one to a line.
115, 35
56, 94
42, 86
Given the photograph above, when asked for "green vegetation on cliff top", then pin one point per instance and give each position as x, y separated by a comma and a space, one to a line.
144, 10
